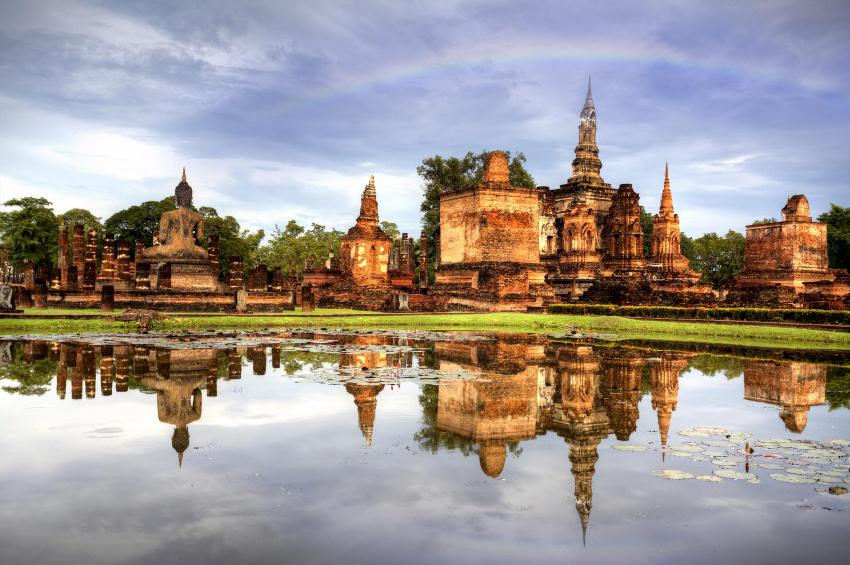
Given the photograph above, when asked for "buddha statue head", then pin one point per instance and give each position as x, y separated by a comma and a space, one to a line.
183, 192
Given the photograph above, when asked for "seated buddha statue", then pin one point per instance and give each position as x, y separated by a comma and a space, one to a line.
180, 231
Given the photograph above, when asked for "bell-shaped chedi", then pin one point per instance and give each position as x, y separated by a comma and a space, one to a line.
364, 254
586, 165
580, 257
177, 245
666, 250
621, 391
795, 387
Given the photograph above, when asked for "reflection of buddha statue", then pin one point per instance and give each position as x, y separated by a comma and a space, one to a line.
178, 402
180, 231
491, 456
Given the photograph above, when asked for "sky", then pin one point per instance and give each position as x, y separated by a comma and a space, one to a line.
282, 110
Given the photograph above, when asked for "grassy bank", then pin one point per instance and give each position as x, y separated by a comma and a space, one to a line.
622, 328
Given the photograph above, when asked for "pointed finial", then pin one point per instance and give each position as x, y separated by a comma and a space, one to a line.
180, 460
588, 109
183, 178
370, 188
589, 93
666, 193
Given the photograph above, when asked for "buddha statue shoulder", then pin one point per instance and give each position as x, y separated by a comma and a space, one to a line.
180, 231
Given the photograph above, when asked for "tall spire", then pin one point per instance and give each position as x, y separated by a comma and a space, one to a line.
588, 108
369, 191
183, 178
666, 194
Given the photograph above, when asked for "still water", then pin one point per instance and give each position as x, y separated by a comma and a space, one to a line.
400, 447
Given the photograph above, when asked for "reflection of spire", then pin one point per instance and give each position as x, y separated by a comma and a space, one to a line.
491, 457
664, 385
366, 400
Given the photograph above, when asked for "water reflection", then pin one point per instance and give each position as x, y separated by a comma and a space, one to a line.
517, 388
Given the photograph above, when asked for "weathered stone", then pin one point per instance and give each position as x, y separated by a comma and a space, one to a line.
107, 298
235, 280
241, 298
308, 299
39, 294
7, 298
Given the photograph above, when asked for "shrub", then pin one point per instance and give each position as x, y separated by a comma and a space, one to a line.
702, 313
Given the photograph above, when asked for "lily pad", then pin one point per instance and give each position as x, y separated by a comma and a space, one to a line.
844, 442
687, 447
735, 475
694, 433
709, 478
709, 430
719, 443
769, 466
796, 479
673, 474
800, 471
629, 447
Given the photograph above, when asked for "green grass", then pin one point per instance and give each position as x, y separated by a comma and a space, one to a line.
623, 328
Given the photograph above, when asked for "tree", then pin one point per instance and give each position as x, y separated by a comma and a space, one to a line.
646, 224
80, 216
718, 258
391, 229
441, 175
837, 221
764, 221
233, 241
139, 222
32, 378
294, 244
29, 233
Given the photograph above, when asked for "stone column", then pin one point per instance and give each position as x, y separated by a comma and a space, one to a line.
63, 256
107, 370
137, 261
234, 364
78, 252
107, 298
29, 275
76, 371
235, 272
423, 261
212, 250
39, 294
87, 364
212, 377
91, 246
307, 298
275, 356
107, 266
71, 285
143, 280
277, 280
62, 372
123, 261
122, 368
89, 275
258, 357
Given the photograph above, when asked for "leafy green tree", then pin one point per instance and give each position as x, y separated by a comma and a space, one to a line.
686, 243
233, 241
441, 175
295, 244
139, 222
764, 221
80, 216
647, 228
837, 222
718, 258
31, 378
838, 387
391, 229
29, 233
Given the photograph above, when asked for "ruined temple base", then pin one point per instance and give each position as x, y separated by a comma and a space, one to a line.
647, 291
173, 300
346, 293
492, 287
191, 276
832, 292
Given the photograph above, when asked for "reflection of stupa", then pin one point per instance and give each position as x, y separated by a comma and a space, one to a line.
366, 400
664, 383
621, 390
180, 376
793, 386
582, 420
490, 413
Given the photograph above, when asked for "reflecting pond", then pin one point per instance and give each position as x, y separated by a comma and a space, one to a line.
415, 447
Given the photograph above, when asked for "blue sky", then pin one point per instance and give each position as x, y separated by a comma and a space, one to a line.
282, 110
